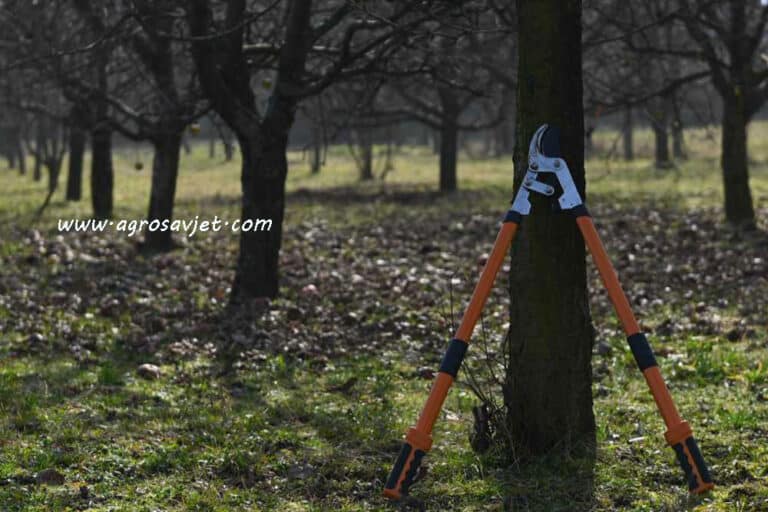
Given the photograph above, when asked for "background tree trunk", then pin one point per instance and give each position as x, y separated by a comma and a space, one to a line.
37, 173
678, 138
265, 168
316, 158
661, 146
547, 390
365, 146
627, 134
37, 167
165, 169
738, 198
102, 173
20, 154
449, 140
53, 164
77, 139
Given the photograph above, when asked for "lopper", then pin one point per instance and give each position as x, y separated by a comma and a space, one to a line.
543, 160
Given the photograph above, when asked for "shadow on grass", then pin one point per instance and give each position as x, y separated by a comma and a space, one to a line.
397, 194
553, 482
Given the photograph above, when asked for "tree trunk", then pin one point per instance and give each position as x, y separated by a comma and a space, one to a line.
264, 170
102, 173
678, 140
449, 140
53, 164
448, 149
19, 148
316, 161
365, 144
37, 172
678, 143
77, 139
734, 163
661, 139
627, 133
165, 169
547, 390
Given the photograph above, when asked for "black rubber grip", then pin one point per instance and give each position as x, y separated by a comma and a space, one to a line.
701, 466
642, 351
687, 469
513, 216
698, 460
580, 211
402, 464
453, 357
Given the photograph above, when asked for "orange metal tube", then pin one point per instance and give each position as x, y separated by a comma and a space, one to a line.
608, 275
483, 288
485, 283
662, 397
611, 281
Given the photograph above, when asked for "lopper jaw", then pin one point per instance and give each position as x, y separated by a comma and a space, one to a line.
539, 163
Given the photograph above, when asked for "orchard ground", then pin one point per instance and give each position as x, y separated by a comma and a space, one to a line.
304, 407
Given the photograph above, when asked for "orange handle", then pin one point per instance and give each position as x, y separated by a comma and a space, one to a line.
418, 441
679, 434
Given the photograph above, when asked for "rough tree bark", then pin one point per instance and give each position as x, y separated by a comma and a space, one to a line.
165, 170
263, 140
365, 147
678, 141
20, 154
449, 139
547, 390
37, 172
102, 173
678, 136
265, 169
661, 146
316, 158
77, 140
167, 132
53, 164
735, 164
659, 125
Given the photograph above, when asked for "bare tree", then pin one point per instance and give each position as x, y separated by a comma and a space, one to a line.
727, 39
301, 47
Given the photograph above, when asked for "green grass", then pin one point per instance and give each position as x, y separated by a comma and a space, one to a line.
280, 430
